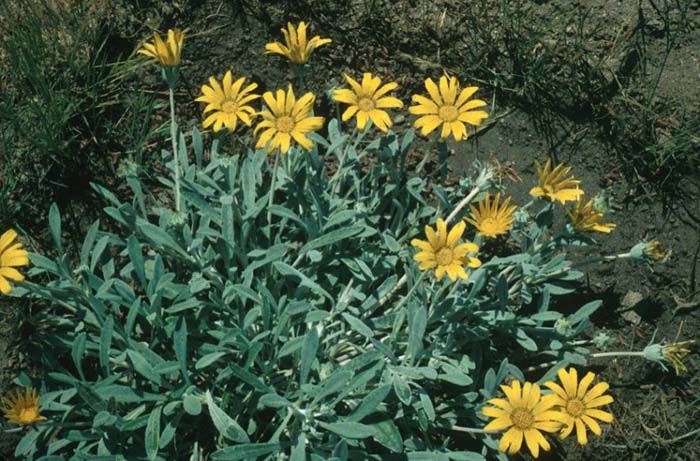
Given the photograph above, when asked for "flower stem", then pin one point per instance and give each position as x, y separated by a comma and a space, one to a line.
469, 430
599, 355
272, 193
173, 137
411, 291
443, 155
336, 178
465, 201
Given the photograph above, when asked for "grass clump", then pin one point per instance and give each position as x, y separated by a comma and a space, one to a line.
62, 104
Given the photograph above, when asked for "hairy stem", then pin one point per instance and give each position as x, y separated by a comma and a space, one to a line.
173, 137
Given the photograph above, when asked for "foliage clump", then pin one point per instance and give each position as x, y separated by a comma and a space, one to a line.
275, 309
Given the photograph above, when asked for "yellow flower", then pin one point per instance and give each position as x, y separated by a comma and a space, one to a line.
228, 103
579, 405
287, 119
553, 185
167, 53
585, 218
654, 250
445, 108
11, 255
296, 47
21, 408
648, 252
366, 101
492, 218
525, 413
674, 353
443, 253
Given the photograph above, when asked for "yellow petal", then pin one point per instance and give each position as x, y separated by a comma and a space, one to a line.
531, 441
473, 117
592, 424
465, 94
596, 391
425, 106
277, 48
427, 124
362, 120
389, 103
432, 237
581, 435
345, 96
455, 234
433, 91
439, 272
494, 412
385, 89
12, 274
569, 380
5, 287
561, 393
599, 414
498, 424
584, 383
356, 87
303, 141
349, 112
422, 244
501, 403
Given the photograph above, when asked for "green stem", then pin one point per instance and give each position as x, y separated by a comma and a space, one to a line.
599, 355
469, 430
442, 158
465, 201
341, 161
173, 137
411, 291
272, 193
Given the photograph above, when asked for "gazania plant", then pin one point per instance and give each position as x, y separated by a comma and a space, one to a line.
329, 303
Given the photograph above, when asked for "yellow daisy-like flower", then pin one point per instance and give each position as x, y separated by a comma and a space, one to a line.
553, 185
22, 408
449, 107
578, 405
287, 119
526, 413
585, 218
296, 47
366, 101
167, 52
443, 253
492, 218
228, 101
11, 255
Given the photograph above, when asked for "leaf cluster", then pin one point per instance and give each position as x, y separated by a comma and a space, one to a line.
288, 322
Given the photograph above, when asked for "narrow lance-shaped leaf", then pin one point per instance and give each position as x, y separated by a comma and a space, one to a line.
224, 423
152, 437
417, 322
105, 344
349, 430
89, 242
246, 451
308, 354
55, 227
77, 352
137, 262
180, 346
198, 147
